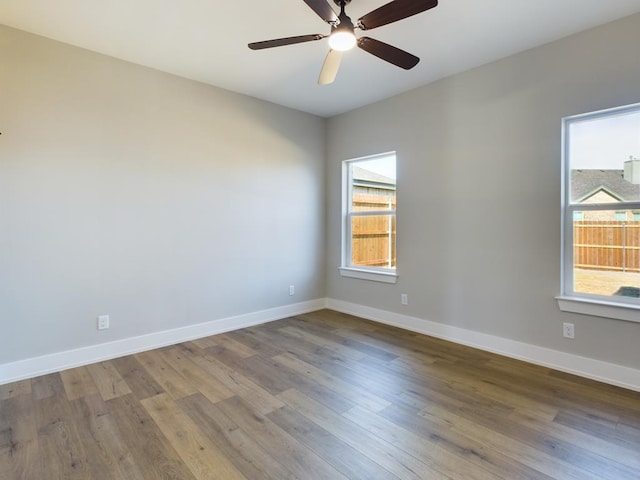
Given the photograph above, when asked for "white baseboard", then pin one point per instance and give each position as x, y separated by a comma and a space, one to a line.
55, 362
585, 367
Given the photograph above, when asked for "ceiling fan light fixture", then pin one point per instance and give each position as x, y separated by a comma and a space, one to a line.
342, 40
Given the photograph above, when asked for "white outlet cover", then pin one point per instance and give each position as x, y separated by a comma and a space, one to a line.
103, 322
568, 330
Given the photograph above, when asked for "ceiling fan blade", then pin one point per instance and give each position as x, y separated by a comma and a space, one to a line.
388, 53
394, 11
279, 42
323, 9
330, 67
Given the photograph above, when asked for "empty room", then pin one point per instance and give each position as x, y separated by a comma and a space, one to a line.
320, 239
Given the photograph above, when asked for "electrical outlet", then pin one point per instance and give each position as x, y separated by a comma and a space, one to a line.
292, 289
404, 299
568, 330
103, 322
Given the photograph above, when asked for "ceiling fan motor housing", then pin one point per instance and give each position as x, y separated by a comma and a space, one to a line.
345, 24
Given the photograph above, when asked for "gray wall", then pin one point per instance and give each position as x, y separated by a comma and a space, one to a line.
157, 200
479, 191
165, 203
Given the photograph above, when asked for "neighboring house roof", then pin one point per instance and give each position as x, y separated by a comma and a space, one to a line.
586, 183
367, 178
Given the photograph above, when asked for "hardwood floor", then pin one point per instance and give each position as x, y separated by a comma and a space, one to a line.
318, 396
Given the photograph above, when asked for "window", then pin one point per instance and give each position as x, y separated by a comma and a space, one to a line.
601, 228
369, 218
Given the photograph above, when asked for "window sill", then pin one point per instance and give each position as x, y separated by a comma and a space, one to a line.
374, 276
599, 308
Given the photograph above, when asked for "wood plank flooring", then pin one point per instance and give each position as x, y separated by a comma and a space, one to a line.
318, 396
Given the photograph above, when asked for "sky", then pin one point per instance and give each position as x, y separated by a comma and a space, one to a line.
605, 142
380, 165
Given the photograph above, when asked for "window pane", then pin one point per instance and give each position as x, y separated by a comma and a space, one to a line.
604, 159
373, 241
606, 253
374, 184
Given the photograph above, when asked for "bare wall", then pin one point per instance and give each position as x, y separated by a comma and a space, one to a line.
479, 191
154, 199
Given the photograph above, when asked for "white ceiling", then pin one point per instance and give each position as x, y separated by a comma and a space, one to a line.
206, 40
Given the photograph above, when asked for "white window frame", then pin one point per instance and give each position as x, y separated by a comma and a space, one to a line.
347, 268
621, 308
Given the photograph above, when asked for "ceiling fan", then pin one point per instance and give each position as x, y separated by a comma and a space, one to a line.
342, 36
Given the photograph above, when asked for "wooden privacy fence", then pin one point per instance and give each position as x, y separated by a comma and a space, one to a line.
374, 237
374, 241
607, 245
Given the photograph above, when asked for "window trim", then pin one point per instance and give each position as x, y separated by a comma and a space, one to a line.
620, 308
346, 268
